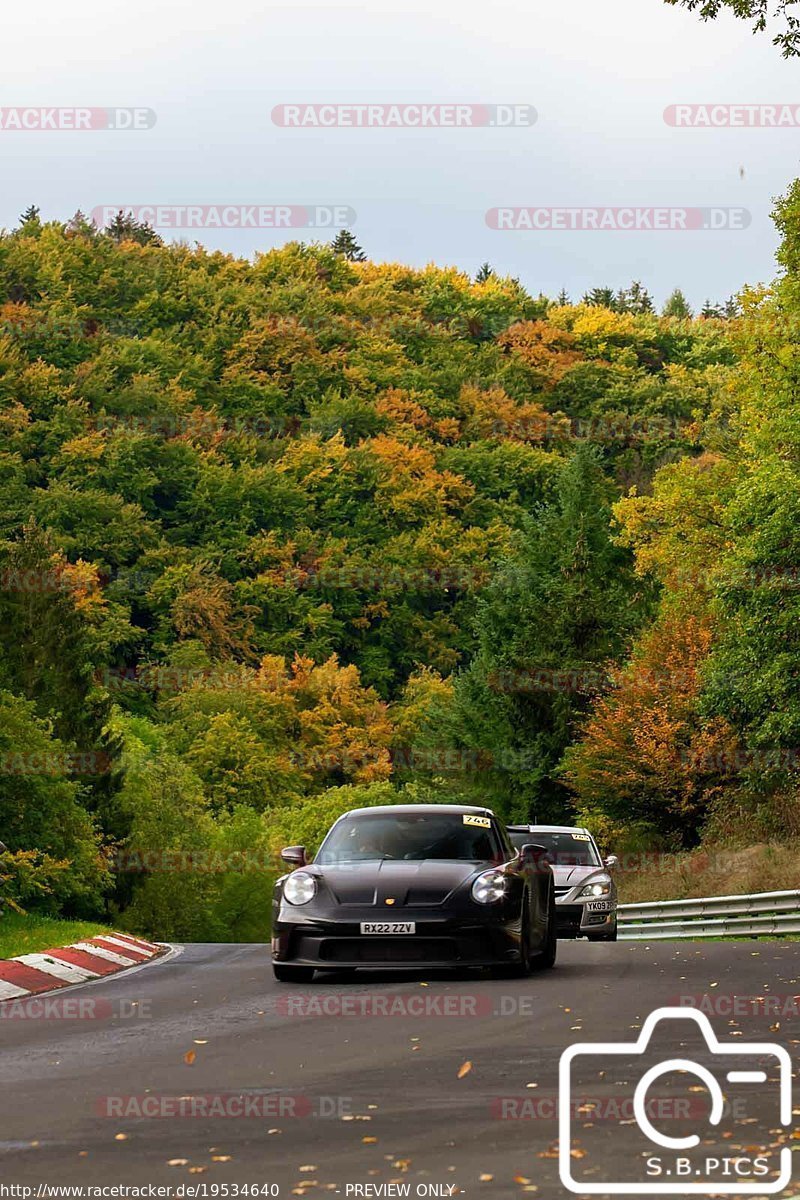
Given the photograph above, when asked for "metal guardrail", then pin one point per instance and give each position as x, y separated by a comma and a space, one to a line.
762, 914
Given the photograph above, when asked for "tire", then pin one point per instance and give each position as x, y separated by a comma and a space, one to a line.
547, 957
286, 973
523, 968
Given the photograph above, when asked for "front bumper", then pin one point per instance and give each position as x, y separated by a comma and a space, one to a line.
437, 941
574, 918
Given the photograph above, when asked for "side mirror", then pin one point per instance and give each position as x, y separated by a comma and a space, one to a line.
294, 856
611, 862
533, 855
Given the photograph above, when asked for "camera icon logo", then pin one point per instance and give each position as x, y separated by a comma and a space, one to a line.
732, 1075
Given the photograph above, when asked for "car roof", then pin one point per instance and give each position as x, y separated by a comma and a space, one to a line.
417, 808
548, 829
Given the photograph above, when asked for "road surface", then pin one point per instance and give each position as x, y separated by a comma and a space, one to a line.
340, 1102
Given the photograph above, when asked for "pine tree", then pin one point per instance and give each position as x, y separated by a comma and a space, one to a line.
80, 225
710, 310
125, 228
601, 297
346, 246
677, 305
483, 273
30, 217
635, 299
562, 298
731, 308
562, 605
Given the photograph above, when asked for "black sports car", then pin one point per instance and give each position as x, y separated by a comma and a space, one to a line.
415, 885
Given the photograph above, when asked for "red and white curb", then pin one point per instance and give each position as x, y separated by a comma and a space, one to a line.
29, 974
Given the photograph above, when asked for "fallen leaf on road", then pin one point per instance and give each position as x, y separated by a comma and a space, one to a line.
189, 1057
178, 1162
224, 1158
521, 1179
369, 1140
464, 1069
307, 1168
197, 1170
486, 1178
120, 1137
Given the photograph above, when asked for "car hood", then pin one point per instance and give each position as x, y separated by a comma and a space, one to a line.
430, 881
572, 876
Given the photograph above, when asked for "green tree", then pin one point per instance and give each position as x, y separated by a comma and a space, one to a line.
635, 299
601, 297
125, 228
42, 811
49, 652
346, 246
558, 611
677, 305
30, 221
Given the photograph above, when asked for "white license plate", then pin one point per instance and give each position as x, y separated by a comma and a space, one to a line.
388, 927
599, 906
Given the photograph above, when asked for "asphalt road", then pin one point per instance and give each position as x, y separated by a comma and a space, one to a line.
356, 1100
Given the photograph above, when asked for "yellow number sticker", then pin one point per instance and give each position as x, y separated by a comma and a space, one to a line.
481, 822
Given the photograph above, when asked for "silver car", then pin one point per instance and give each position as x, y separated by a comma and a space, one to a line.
586, 894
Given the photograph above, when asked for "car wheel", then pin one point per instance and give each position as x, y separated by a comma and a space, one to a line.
522, 968
286, 973
547, 957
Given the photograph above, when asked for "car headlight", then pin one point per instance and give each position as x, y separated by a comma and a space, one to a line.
598, 887
489, 887
299, 888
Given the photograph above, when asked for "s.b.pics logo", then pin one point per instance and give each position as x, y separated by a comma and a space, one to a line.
701, 1116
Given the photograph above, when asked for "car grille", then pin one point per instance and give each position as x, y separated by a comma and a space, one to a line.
569, 917
561, 890
389, 950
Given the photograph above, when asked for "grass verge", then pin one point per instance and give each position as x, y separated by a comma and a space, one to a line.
711, 871
28, 934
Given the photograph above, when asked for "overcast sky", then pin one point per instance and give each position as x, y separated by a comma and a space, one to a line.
599, 73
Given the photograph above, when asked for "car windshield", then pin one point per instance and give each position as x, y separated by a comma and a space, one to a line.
412, 837
563, 849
